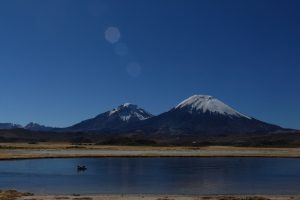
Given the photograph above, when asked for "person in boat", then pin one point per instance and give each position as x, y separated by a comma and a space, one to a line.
81, 168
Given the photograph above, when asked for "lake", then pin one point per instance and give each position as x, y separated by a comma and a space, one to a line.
153, 176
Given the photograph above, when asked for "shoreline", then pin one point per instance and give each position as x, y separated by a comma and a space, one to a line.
17, 151
165, 197
12, 151
142, 156
15, 195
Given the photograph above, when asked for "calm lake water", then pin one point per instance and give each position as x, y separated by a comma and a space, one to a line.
153, 176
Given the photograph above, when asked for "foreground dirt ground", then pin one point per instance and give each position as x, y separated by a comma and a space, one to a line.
12, 194
64, 150
157, 197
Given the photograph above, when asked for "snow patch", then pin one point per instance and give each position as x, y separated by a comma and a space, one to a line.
206, 103
113, 111
126, 104
125, 118
128, 111
141, 117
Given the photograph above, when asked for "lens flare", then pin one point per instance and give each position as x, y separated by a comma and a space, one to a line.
112, 34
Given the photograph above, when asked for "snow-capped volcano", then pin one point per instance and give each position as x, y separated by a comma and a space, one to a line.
128, 112
204, 115
206, 103
115, 119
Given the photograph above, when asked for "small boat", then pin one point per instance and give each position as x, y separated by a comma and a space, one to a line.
81, 168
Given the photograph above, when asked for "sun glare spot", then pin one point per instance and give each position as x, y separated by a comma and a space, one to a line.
112, 34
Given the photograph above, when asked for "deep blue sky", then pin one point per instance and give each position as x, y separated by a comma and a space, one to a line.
57, 67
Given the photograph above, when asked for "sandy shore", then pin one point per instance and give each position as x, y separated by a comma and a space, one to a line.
15, 195
158, 197
50, 150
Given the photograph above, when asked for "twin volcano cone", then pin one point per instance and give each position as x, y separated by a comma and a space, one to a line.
196, 115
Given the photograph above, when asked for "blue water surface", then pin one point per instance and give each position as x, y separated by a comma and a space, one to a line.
153, 176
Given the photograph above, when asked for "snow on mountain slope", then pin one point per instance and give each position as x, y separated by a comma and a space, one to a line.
206, 103
129, 111
116, 119
37, 127
204, 115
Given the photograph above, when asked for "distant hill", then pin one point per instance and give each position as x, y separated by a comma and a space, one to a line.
37, 127
9, 126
